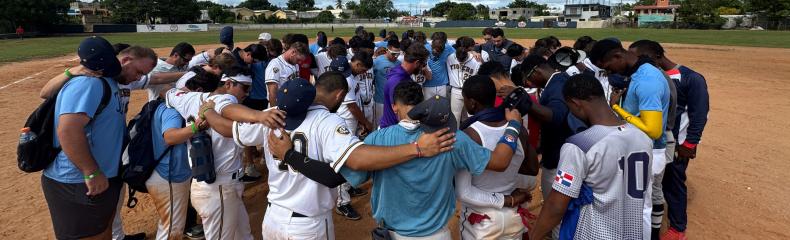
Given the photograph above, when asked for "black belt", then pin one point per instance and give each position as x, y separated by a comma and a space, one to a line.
293, 214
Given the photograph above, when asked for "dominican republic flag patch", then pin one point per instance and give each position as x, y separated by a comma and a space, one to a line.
563, 178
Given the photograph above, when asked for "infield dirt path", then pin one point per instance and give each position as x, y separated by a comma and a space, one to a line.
738, 185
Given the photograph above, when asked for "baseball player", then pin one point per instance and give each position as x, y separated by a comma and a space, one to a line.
646, 105
219, 204
602, 184
324, 58
460, 66
490, 202
690, 118
424, 74
301, 207
178, 60
437, 61
381, 66
284, 68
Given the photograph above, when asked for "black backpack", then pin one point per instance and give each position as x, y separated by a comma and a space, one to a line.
37, 154
141, 160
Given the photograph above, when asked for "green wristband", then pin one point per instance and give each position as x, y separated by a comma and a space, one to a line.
92, 175
193, 127
68, 74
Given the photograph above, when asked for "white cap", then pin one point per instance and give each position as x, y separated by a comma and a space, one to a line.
238, 78
265, 36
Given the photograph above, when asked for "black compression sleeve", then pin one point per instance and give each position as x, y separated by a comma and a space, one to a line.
320, 172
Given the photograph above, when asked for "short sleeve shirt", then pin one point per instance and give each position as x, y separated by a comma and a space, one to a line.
174, 165
279, 71
104, 132
381, 66
649, 91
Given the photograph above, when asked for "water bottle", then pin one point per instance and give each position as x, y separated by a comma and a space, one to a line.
26, 136
202, 157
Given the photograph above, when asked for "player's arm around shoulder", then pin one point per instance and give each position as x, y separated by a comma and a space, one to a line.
371, 158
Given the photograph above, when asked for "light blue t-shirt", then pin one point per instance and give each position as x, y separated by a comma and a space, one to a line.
165, 119
438, 65
381, 44
104, 133
381, 66
648, 91
314, 48
416, 198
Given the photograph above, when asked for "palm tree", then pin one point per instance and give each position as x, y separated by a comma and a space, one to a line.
339, 4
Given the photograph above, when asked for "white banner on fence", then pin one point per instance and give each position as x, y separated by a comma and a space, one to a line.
173, 28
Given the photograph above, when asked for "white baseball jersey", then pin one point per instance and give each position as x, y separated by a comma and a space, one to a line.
323, 61
458, 72
600, 74
182, 82
227, 156
419, 78
161, 66
365, 88
322, 136
498, 182
199, 59
351, 97
279, 71
125, 90
615, 163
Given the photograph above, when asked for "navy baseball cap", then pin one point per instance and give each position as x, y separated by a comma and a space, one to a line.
340, 64
434, 114
226, 36
295, 97
97, 54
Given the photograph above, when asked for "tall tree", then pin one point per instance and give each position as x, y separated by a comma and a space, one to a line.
442, 8
220, 15
177, 11
329, 7
351, 5
324, 17
463, 11
31, 14
699, 14
301, 5
374, 8
130, 12
482, 11
258, 5
339, 4
774, 10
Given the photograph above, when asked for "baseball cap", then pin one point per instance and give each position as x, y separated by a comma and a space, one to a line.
241, 78
226, 35
97, 54
434, 114
340, 64
295, 97
601, 48
265, 36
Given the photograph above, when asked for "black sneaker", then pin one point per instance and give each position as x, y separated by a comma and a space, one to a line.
356, 192
348, 212
136, 236
195, 233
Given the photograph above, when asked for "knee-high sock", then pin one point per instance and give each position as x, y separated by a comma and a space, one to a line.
658, 217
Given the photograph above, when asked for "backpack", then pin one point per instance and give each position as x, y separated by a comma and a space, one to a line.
141, 160
35, 155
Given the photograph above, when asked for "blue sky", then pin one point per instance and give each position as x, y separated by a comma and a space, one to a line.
425, 4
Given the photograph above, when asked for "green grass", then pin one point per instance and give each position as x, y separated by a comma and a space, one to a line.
16, 50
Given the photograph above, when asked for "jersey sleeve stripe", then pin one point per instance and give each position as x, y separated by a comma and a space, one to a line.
342, 160
235, 131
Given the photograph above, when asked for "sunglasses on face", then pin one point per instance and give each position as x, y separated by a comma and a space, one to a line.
394, 53
244, 87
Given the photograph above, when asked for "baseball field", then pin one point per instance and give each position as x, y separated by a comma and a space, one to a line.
737, 184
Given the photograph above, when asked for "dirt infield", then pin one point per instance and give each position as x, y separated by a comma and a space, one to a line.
737, 185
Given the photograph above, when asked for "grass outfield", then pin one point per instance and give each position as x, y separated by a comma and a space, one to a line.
17, 50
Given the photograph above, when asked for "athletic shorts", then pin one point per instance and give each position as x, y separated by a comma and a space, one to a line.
257, 104
74, 214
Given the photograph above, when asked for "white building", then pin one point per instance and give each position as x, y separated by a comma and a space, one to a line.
586, 12
511, 13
